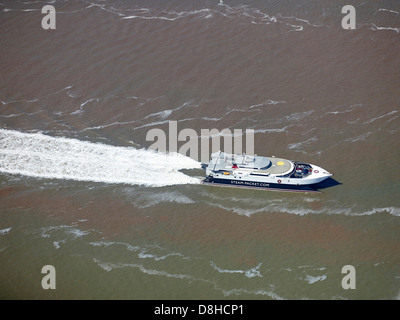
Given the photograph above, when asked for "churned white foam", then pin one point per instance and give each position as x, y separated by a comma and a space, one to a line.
298, 116
5, 231
145, 255
391, 210
312, 279
273, 130
263, 292
301, 145
166, 113
265, 103
102, 243
387, 10
162, 114
360, 137
145, 200
382, 116
375, 28
107, 266
278, 206
250, 273
71, 231
57, 244
42, 156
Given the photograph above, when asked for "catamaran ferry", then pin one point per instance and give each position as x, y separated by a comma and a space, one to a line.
254, 171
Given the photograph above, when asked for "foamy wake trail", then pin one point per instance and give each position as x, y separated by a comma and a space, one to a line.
42, 156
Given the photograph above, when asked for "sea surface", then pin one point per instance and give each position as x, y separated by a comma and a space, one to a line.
81, 191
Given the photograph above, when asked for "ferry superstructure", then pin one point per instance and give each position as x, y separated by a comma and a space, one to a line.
254, 171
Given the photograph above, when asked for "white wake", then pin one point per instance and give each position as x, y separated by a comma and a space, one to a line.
43, 156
